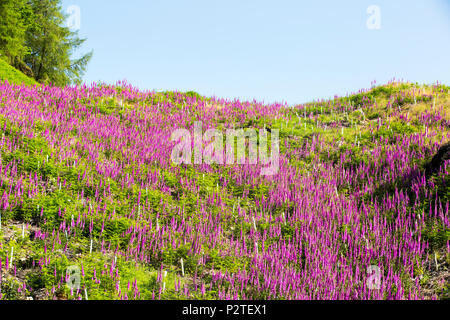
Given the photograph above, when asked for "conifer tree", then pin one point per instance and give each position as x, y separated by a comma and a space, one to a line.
51, 45
12, 30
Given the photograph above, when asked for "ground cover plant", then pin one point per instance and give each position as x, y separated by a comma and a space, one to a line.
13, 76
87, 183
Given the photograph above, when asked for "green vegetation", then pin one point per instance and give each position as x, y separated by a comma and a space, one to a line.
14, 76
34, 40
140, 233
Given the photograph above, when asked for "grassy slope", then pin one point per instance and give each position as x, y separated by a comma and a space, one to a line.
14, 76
27, 250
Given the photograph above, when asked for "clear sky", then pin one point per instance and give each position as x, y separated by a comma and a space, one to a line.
279, 50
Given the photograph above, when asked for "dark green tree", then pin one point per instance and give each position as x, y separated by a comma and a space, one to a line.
12, 30
51, 45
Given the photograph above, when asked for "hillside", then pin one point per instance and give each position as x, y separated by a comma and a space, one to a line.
92, 207
13, 76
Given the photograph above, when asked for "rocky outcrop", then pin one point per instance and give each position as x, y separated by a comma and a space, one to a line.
438, 160
24, 68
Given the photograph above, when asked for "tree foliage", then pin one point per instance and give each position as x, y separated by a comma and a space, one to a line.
12, 29
34, 39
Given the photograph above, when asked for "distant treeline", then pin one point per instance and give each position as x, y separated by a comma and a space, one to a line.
35, 40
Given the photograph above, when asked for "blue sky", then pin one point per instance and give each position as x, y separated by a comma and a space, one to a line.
292, 51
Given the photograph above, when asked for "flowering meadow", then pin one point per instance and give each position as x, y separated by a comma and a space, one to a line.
87, 184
